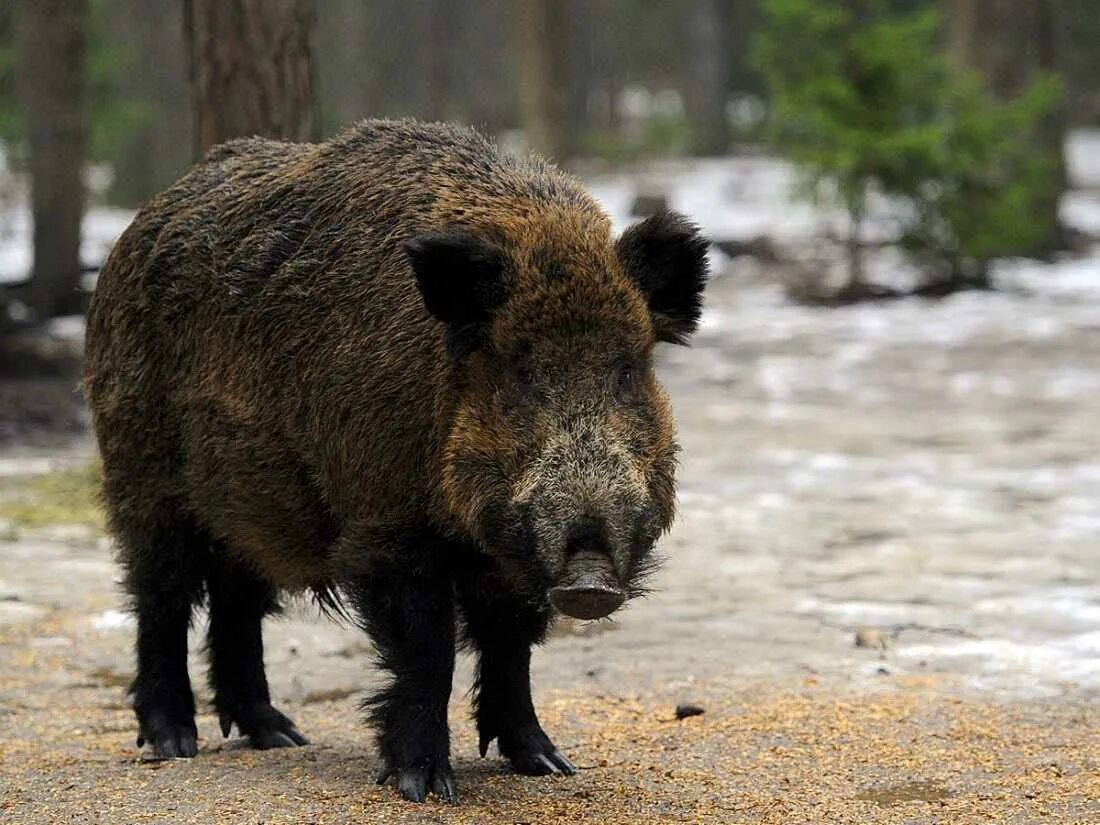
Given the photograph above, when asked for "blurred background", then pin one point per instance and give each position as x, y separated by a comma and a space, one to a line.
890, 482
947, 119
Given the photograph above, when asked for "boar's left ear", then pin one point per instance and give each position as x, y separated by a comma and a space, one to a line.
462, 280
667, 258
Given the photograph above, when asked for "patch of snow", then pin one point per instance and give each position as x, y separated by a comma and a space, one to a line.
964, 383
771, 501
1080, 210
113, 620
1083, 157
99, 230
67, 327
738, 197
1070, 382
14, 467
20, 613
1034, 667
829, 462
1069, 278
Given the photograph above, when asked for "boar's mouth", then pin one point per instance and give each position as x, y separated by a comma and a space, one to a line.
589, 589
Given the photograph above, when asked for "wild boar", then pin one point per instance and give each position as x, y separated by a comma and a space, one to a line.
407, 372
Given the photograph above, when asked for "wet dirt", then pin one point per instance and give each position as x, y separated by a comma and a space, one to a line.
883, 587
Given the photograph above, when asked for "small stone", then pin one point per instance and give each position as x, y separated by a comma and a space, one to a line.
684, 711
871, 637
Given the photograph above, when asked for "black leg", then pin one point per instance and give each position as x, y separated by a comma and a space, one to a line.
239, 599
163, 560
406, 604
162, 690
503, 627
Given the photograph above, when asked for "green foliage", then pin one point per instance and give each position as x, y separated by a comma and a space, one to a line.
112, 119
850, 101
62, 497
862, 98
984, 190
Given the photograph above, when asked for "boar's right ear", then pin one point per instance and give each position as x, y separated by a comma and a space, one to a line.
462, 280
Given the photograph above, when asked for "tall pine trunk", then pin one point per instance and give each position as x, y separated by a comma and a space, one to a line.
252, 70
51, 44
540, 38
706, 87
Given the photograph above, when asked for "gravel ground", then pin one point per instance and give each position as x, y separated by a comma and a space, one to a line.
883, 588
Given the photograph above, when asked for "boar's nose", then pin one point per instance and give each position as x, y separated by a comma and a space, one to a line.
589, 588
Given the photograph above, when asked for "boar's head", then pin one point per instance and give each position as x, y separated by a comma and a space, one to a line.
560, 456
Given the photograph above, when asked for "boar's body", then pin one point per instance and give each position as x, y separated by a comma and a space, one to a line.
310, 367
257, 331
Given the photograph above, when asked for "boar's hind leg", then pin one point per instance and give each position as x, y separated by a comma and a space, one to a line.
239, 600
503, 628
406, 604
163, 562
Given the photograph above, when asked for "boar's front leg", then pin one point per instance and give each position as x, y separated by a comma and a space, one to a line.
503, 627
239, 599
406, 603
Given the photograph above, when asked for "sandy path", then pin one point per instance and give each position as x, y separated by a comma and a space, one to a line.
927, 475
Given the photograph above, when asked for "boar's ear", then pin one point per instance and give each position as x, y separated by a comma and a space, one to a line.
667, 258
462, 280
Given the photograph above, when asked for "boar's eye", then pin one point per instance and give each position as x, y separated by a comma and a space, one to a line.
519, 373
626, 378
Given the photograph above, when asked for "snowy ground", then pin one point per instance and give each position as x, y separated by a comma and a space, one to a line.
928, 468
749, 196
923, 477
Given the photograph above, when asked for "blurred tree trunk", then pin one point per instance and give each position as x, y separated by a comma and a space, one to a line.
484, 68
252, 70
742, 16
442, 28
343, 36
582, 20
706, 89
1008, 43
962, 32
1049, 36
149, 158
540, 38
51, 43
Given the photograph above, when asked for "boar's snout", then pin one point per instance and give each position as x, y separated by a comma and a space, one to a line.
587, 597
589, 587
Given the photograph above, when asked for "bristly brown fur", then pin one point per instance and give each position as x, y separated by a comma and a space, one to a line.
392, 366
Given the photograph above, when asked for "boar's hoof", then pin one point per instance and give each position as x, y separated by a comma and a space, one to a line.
265, 739
170, 740
543, 764
414, 783
264, 726
531, 752
587, 597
